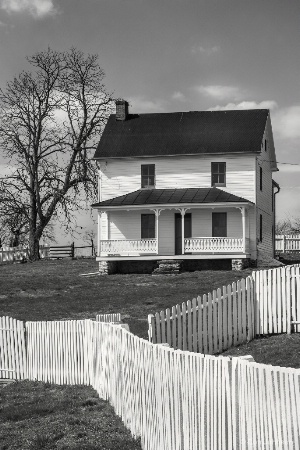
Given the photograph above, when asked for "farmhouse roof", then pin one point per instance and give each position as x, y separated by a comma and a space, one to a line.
182, 133
171, 196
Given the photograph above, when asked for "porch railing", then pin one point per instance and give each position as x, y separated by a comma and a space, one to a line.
213, 244
118, 246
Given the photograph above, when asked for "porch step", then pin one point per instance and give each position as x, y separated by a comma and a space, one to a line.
168, 266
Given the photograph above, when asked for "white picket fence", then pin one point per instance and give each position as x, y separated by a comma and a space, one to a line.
178, 400
268, 302
287, 243
115, 317
12, 254
208, 324
59, 351
13, 358
171, 399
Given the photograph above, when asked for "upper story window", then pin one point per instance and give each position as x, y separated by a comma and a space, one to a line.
218, 174
148, 175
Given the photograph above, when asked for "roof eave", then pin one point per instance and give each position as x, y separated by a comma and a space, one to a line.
173, 205
176, 154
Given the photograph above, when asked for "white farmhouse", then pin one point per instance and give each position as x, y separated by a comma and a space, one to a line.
186, 188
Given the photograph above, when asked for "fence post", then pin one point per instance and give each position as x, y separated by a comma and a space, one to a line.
72, 249
151, 329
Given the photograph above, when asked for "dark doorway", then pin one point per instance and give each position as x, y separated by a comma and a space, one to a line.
219, 224
187, 231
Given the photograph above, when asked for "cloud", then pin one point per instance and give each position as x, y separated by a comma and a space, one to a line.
220, 92
286, 122
265, 104
178, 96
140, 104
37, 8
205, 51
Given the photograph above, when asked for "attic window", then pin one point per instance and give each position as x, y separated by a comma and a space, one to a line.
218, 174
148, 175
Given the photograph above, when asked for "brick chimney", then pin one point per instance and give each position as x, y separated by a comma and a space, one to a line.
121, 109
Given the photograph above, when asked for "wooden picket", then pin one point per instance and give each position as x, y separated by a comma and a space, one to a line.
12, 349
277, 305
59, 352
115, 317
210, 324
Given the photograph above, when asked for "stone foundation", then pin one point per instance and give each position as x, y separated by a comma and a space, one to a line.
240, 263
107, 267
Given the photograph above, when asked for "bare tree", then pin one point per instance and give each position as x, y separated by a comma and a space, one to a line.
288, 226
50, 120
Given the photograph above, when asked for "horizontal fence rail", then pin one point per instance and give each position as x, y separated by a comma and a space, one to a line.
62, 251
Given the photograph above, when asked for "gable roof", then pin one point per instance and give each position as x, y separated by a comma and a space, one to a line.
183, 133
172, 196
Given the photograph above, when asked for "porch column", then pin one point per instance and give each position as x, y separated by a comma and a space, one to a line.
157, 213
101, 229
99, 233
182, 211
243, 211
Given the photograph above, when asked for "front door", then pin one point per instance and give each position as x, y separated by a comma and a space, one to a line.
178, 234
219, 224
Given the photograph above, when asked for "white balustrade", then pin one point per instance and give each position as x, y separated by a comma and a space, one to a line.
128, 246
213, 245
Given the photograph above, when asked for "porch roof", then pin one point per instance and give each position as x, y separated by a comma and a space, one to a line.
172, 196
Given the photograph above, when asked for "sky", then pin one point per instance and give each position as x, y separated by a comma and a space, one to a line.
178, 55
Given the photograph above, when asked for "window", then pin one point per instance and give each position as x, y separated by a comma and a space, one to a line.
148, 226
260, 228
148, 175
260, 178
218, 174
219, 224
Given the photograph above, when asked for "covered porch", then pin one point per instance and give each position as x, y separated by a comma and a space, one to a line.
216, 228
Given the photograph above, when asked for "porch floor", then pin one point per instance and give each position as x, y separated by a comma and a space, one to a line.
174, 257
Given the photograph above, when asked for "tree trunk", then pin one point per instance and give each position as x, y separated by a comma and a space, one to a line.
34, 247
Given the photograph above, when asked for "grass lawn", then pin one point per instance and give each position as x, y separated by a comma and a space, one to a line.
44, 416
53, 290
39, 416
